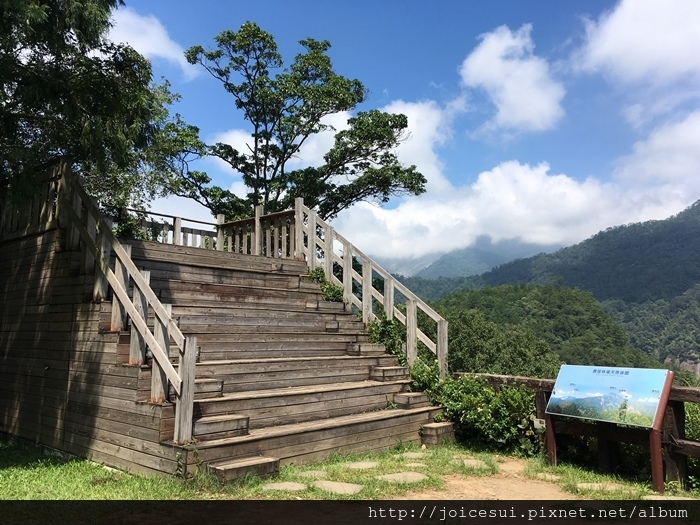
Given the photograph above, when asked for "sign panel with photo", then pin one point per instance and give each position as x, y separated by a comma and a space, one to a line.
627, 396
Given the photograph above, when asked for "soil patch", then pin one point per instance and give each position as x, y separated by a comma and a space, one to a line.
508, 483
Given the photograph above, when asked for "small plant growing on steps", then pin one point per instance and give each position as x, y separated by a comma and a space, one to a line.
389, 333
331, 292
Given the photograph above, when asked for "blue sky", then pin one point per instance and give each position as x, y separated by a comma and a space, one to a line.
544, 121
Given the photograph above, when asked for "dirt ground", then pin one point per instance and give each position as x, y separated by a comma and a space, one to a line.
509, 483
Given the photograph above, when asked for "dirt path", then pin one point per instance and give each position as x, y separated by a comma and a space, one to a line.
509, 483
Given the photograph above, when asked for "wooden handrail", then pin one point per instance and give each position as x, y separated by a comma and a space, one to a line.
316, 241
302, 234
71, 200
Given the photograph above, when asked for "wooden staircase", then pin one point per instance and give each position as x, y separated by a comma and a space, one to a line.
281, 375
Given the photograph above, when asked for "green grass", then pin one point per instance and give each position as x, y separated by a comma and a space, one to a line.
27, 473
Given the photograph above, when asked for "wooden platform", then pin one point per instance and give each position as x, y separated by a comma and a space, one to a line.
281, 374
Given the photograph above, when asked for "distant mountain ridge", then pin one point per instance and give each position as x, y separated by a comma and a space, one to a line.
635, 263
646, 275
481, 257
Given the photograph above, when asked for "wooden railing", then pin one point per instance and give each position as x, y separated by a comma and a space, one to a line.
169, 229
673, 438
301, 234
344, 265
61, 200
29, 207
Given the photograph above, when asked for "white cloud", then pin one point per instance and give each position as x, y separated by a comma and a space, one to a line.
649, 50
517, 81
664, 167
512, 200
645, 41
149, 37
428, 127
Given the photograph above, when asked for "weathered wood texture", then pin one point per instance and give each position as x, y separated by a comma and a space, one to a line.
60, 384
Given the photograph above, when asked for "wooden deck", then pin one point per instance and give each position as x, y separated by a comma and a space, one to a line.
280, 373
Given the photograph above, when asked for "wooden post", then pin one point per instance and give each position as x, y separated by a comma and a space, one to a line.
551, 438
159, 381
366, 290
137, 346
312, 240
657, 466
608, 450
257, 239
411, 331
177, 231
220, 219
328, 251
100, 288
389, 298
442, 326
185, 403
674, 429
299, 229
88, 260
118, 311
347, 272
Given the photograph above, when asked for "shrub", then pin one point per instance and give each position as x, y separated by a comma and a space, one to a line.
331, 292
501, 420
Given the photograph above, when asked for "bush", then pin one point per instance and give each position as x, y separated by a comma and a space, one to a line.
390, 333
501, 420
331, 292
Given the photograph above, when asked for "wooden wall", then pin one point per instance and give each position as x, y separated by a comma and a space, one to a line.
61, 384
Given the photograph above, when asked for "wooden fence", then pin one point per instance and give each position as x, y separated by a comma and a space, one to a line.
59, 198
302, 234
676, 446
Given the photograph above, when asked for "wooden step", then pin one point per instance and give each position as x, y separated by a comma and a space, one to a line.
283, 406
220, 427
210, 258
264, 374
438, 433
389, 373
229, 470
366, 349
205, 388
307, 442
408, 400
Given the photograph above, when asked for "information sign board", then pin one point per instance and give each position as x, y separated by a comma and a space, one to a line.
627, 396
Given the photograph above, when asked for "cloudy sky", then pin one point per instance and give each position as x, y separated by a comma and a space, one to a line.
542, 121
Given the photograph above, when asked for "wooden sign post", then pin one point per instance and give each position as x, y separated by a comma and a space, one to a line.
633, 397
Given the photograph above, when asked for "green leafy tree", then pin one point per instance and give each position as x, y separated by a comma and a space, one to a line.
66, 91
287, 106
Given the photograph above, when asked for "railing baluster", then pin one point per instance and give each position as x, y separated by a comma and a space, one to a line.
101, 287
118, 312
366, 290
137, 345
411, 331
159, 381
185, 407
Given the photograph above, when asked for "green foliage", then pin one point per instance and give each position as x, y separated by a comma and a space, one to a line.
331, 292
390, 333
506, 324
498, 420
284, 108
68, 92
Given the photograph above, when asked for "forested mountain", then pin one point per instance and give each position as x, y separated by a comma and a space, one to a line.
482, 256
635, 263
646, 275
570, 321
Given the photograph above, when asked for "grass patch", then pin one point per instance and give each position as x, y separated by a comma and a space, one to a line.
27, 473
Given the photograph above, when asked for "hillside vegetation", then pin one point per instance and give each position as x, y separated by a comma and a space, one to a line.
645, 275
570, 323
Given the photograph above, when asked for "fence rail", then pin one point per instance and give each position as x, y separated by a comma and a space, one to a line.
301, 234
59, 199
